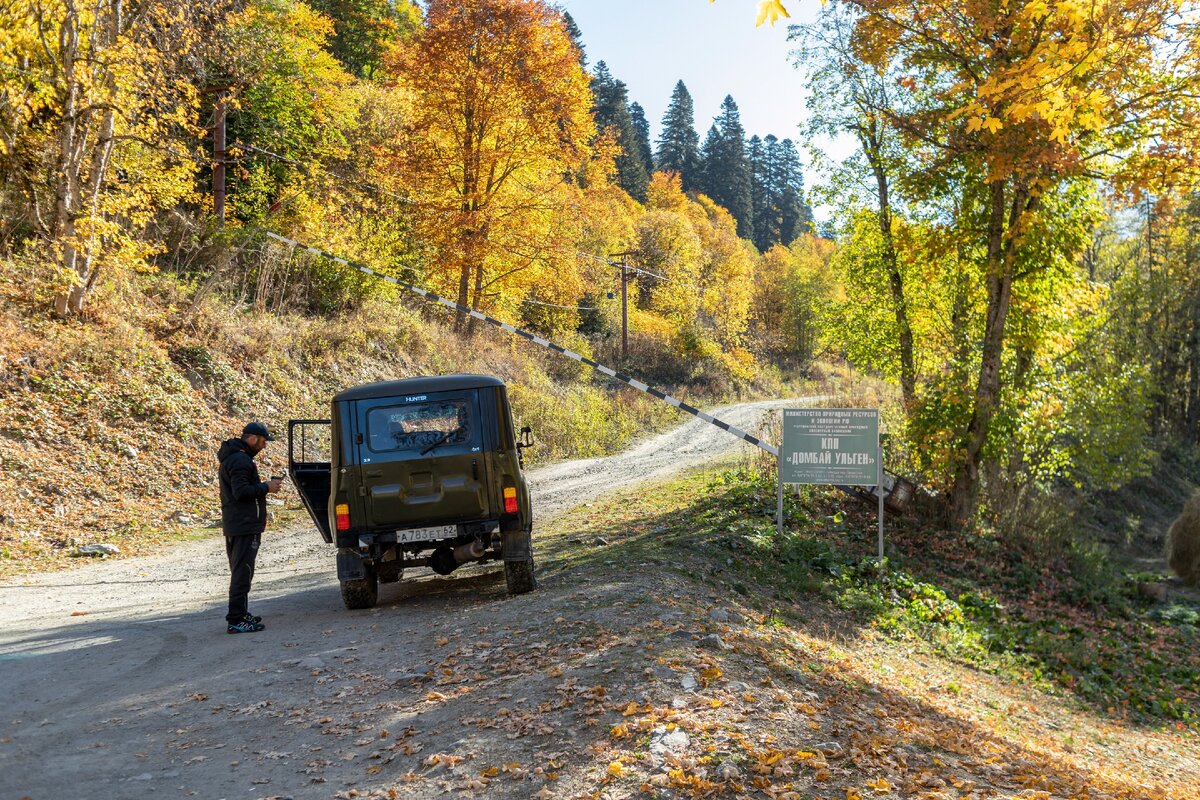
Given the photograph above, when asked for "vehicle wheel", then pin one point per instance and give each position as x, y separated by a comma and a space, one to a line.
361, 593
519, 576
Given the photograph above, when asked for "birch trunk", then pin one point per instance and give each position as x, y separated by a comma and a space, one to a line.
83, 158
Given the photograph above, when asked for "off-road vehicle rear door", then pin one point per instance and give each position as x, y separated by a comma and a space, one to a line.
422, 460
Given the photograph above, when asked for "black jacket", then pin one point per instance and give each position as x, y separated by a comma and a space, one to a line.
243, 495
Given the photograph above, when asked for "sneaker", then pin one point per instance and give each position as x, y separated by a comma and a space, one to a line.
245, 626
252, 618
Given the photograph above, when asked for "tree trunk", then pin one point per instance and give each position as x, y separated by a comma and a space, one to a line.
1193, 390
869, 139
964, 494
959, 316
464, 287
66, 189
72, 196
469, 192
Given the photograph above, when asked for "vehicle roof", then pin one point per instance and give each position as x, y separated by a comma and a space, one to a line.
411, 386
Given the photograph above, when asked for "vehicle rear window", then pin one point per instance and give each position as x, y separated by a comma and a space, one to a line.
416, 426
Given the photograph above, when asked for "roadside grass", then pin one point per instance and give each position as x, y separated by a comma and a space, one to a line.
1072, 624
109, 427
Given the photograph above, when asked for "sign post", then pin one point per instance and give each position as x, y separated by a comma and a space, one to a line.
838, 446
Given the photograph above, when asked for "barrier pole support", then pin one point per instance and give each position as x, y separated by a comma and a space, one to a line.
779, 506
879, 488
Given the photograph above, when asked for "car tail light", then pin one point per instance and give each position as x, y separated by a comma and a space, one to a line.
510, 500
342, 512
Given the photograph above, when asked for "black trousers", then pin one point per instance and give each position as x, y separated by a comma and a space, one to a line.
242, 551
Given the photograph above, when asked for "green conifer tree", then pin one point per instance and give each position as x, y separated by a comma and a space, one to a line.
364, 30
777, 192
642, 127
725, 168
794, 215
610, 108
576, 37
763, 229
679, 144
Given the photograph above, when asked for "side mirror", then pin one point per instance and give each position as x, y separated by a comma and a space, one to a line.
526, 438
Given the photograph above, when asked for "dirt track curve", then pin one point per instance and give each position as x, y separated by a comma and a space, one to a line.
119, 680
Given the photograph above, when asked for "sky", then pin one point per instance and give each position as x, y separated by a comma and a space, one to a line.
714, 48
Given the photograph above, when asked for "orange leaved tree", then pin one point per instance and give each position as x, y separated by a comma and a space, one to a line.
501, 113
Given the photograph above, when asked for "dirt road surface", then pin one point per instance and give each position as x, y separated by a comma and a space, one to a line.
119, 680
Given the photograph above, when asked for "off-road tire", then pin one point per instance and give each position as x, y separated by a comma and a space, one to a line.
361, 593
519, 576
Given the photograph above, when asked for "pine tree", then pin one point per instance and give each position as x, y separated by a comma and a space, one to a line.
364, 30
760, 194
610, 109
725, 168
576, 37
679, 144
642, 127
777, 191
795, 215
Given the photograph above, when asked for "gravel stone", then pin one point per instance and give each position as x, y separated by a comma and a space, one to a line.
97, 550
663, 741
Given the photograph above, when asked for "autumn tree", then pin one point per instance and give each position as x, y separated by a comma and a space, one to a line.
1020, 100
97, 106
1151, 266
500, 111
856, 98
289, 98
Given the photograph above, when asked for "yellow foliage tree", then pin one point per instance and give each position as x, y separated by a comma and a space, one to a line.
500, 114
86, 92
1018, 99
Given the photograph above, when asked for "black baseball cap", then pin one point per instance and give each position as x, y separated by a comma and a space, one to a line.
257, 429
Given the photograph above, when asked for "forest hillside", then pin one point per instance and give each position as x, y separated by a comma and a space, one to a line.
1012, 249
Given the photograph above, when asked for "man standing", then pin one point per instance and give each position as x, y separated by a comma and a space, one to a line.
243, 518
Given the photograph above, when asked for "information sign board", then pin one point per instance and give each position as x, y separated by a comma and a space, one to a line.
837, 446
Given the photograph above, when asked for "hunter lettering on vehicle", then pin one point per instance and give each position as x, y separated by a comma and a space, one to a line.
837, 446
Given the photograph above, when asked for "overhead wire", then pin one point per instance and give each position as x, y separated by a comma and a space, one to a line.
556, 305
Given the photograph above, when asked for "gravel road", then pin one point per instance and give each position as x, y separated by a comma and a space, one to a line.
120, 682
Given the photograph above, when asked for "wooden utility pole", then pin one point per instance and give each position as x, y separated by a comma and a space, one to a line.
626, 274
219, 156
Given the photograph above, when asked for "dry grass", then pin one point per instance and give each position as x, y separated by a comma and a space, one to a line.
109, 426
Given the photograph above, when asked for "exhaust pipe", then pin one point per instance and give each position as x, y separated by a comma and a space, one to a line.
443, 561
472, 551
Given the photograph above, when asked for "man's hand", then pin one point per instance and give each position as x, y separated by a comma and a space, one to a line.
273, 485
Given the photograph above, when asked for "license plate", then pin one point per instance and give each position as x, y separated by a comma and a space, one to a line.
427, 534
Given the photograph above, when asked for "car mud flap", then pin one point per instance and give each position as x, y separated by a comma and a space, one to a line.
518, 546
350, 566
